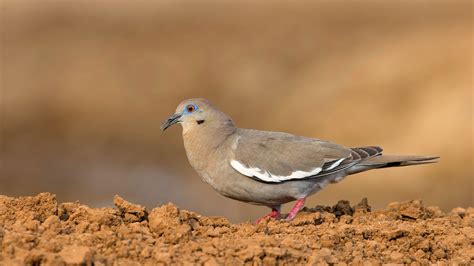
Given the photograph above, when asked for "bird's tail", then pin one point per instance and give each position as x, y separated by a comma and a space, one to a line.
383, 161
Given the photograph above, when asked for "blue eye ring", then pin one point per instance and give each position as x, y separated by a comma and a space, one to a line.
190, 108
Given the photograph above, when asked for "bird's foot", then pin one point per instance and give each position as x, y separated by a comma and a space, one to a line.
294, 211
274, 214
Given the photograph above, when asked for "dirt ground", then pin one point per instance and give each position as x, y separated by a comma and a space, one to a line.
39, 230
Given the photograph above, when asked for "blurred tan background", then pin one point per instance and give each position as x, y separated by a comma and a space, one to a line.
86, 84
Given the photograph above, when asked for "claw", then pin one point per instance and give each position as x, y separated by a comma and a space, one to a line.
274, 214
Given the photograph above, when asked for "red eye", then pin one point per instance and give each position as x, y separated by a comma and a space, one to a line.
190, 108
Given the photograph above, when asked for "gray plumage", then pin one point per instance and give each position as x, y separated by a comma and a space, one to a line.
269, 168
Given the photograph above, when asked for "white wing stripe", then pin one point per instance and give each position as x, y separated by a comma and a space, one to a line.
334, 164
269, 177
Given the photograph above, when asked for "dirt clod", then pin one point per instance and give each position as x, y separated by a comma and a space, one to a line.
37, 230
76, 255
409, 210
129, 212
342, 207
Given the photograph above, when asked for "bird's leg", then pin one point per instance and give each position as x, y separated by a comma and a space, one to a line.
274, 214
294, 211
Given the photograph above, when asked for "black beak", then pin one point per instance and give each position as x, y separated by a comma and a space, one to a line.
170, 121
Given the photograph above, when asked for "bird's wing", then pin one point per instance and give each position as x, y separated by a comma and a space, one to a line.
275, 157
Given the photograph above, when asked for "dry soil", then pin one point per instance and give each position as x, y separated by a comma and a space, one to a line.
39, 230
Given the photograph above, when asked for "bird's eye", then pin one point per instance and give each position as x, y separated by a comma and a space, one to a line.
191, 108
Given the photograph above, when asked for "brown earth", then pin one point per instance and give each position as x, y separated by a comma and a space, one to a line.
39, 230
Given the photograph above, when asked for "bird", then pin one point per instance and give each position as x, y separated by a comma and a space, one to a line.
269, 168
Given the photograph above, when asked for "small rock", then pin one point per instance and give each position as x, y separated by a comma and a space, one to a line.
324, 252
467, 231
166, 221
320, 256
328, 217
305, 218
419, 254
346, 219
250, 252
214, 221
211, 262
342, 207
396, 256
361, 207
77, 213
106, 216
424, 245
435, 210
209, 250
32, 225
397, 233
162, 257
77, 255
274, 251
461, 212
268, 261
439, 253
53, 224
409, 210
327, 241
130, 212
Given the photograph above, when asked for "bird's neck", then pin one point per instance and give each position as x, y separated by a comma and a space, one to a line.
204, 141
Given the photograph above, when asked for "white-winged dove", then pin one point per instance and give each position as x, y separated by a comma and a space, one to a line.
269, 168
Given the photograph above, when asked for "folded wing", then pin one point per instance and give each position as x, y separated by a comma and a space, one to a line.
275, 157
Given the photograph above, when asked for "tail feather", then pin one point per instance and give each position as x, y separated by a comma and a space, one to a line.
383, 161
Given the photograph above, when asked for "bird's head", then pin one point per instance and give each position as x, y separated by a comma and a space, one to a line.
196, 112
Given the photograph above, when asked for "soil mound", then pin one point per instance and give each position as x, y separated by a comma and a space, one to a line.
39, 230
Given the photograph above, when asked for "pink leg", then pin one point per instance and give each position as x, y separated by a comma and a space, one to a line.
274, 214
294, 211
